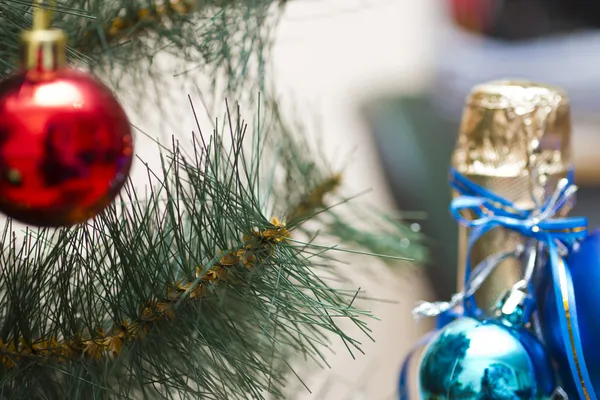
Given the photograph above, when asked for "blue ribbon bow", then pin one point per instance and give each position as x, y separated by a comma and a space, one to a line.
489, 211
557, 234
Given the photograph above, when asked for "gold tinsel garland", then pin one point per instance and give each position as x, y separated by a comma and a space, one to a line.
119, 26
125, 27
316, 198
110, 343
124, 332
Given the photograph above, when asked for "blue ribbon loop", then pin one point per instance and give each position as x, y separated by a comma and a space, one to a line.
482, 211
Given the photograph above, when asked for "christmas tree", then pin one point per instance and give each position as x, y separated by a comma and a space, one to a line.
212, 281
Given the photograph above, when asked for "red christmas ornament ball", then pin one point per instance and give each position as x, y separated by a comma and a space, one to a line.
66, 147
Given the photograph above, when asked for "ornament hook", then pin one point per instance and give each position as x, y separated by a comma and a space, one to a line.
41, 17
42, 14
559, 394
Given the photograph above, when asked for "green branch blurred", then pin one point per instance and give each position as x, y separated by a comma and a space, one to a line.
213, 36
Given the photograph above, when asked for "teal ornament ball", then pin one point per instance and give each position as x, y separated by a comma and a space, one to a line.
471, 359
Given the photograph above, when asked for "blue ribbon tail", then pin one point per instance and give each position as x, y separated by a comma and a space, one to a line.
569, 325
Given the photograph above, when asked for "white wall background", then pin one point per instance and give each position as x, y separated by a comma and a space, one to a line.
331, 55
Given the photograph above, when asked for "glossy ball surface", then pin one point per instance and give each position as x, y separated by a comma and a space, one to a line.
66, 147
470, 359
584, 264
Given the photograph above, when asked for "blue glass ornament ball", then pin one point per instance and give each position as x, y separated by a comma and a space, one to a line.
471, 359
584, 264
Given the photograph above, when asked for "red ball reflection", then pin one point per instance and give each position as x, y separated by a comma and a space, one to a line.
65, 147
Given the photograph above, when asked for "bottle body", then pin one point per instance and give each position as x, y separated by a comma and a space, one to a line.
514, 140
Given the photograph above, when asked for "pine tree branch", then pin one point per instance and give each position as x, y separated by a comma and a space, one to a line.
191, 291
98, 343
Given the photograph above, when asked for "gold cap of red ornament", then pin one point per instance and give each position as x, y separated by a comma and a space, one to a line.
43, 49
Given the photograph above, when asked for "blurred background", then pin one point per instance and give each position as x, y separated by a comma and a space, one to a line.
387, 79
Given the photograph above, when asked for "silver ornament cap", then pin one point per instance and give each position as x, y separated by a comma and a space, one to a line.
513, 307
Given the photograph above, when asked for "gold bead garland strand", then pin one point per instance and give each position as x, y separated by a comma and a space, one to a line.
316, 198
111, 343
119, 27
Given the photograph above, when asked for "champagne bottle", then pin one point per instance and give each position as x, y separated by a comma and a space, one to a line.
514, 140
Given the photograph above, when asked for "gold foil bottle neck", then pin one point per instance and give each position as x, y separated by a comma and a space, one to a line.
514, 140
514, 129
